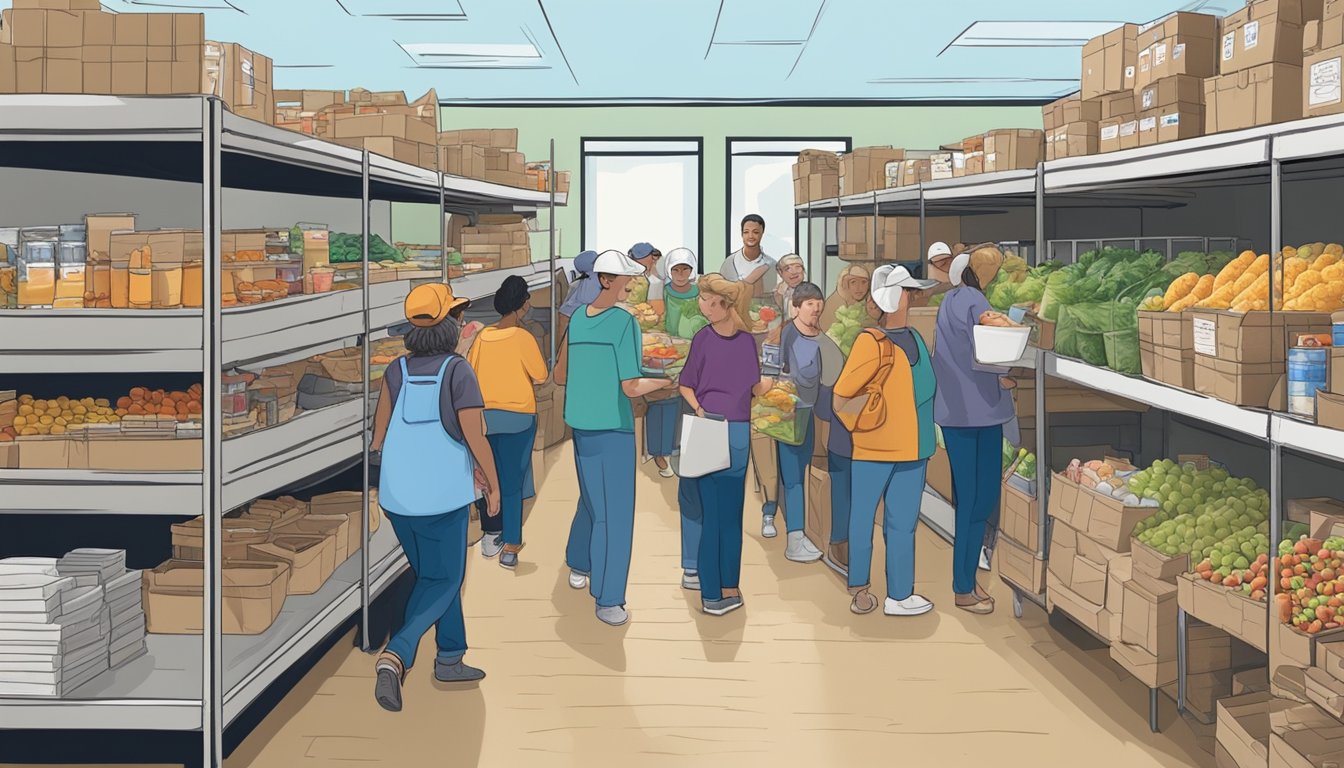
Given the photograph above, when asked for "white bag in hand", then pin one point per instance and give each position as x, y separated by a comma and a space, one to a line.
704, 446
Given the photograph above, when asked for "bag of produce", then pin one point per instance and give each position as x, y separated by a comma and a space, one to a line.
776, 414
849, 321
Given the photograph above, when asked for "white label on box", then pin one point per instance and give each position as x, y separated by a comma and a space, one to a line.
1130, 128
1250, 35
1178, 51
1149, 95
1110, 133
1324, 86
1159, 54
1147, 124
1144, 58
1171, 120
1206, 337
1129, 72
990, 157
1229, 44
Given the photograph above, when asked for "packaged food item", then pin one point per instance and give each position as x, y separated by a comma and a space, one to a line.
71, 255
37, 266
9, 275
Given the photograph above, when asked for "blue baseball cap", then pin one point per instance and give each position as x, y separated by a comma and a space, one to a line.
583, 263
642, 250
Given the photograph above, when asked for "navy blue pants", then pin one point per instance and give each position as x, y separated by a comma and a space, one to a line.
436, 548
976, 456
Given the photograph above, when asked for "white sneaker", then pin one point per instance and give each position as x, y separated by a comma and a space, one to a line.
913, 605
491, 545
667, 472
615, 615
690, 580
984, 558
800, 550
768, 527
577, 580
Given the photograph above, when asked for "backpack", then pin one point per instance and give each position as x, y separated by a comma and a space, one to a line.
867, 411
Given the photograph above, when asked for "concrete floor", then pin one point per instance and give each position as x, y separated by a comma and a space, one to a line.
793, 679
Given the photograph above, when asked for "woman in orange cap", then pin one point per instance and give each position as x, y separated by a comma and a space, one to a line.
430, 430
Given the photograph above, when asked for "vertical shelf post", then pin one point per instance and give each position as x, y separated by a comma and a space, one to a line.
1042, 418
443, 228
212, 639
366, 588
923, 246
550, 214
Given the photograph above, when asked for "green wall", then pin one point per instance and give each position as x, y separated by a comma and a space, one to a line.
903, 126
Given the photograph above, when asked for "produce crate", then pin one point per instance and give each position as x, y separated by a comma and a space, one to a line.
1243, 727
253, 595
1241, 358
1157, 565
1020, 567
1104, 519
1228, 610
1019, 517
1094, 618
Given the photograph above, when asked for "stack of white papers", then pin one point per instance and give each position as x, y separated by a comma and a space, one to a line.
105, 564
54, 634
128, 618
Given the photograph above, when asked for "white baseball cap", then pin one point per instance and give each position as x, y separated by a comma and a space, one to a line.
616, 263
938, 251
890, 281
957, 271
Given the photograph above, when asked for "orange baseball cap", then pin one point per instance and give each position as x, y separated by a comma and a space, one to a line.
427, 305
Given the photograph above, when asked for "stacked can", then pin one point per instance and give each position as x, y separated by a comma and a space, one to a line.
1307, 373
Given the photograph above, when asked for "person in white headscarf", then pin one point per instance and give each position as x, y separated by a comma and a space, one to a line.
682, 319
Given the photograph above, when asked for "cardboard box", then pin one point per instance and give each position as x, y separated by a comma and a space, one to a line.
1150, 670
818, 523
1063, 551
1243, 727
253, 595
1092, 617
240, 77
1263, 95
1119, 572
1019, 149
1149, 619
1089, 579
1305, 736
1225, 609
1330, 410
1019, 516
1257, 385
973, 149
1074, 140
1020, 566
1105, 520
1262, 32
1300, 649
1321, 83
1337, 370
865, 169
236, 535
1109, 62
1181, 44
1113, 105
309, 559
396, 126
498, 138
1250, 681
1171, 91
1160, 567
1325, 692
1241, 357
1330, 658
338, 528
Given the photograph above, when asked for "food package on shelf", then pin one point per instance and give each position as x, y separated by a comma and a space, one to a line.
253, 595
310, 559
1241, 358
1086, 499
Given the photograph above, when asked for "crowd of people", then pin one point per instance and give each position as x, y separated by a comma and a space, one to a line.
455, 431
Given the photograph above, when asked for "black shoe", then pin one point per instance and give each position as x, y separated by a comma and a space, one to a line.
457, 672
388, 690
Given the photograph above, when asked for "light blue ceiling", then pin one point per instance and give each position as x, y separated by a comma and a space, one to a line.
698, 50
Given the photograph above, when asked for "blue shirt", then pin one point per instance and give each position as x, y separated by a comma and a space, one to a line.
969, 393
603, 351
802, 363
581, 294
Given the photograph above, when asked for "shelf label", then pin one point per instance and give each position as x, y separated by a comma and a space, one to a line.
1229, 45
1206, 336
1250, 35
1323, 87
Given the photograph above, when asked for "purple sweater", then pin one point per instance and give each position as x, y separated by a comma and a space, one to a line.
722, 372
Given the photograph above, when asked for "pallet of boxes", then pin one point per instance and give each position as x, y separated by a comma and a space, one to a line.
1305, 708
274, 549
1260, 67
816, 176
74, 47
383, 122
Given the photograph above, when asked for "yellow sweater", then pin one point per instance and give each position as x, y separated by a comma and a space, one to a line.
898, 437
507, 362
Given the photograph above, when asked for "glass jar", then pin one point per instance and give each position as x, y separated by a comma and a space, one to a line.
37, 266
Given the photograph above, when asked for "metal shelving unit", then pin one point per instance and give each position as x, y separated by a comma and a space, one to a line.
1153, 181
204, 682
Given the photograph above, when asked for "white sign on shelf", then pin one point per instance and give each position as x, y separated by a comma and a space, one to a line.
1206, 337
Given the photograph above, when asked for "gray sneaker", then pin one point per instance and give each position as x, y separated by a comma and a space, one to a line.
456, 672
690, 580
491, 543
387, 689
720, 607
615, 615
768, 529
508, 559
800, 550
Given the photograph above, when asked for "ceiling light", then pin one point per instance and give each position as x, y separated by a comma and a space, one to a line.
764, 22
1030, 34
418, 10
199, 5
474, 55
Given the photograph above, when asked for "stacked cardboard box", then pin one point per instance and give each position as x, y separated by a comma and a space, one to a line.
1243, 731
895, 238
1167, 348
1118, 124
1110, 62
487, 154
949, 162
816, 176
1071, 126
498, 241
973, 152
865, 169
540, 175
1241, 358
1170, 108
1260, 79
1013, 149
383, 122
1180, 44
72, 46
1019, 538
1323, 52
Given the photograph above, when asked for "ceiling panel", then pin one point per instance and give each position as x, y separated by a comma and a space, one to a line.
639, 50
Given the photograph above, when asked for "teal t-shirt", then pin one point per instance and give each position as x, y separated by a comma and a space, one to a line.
604, 350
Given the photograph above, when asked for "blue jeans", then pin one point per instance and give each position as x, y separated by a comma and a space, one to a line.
513, 458
900, 486
793, 463
839, 467
604, 525
692, 520
660, 427
436, 548
976, 456
721, 497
